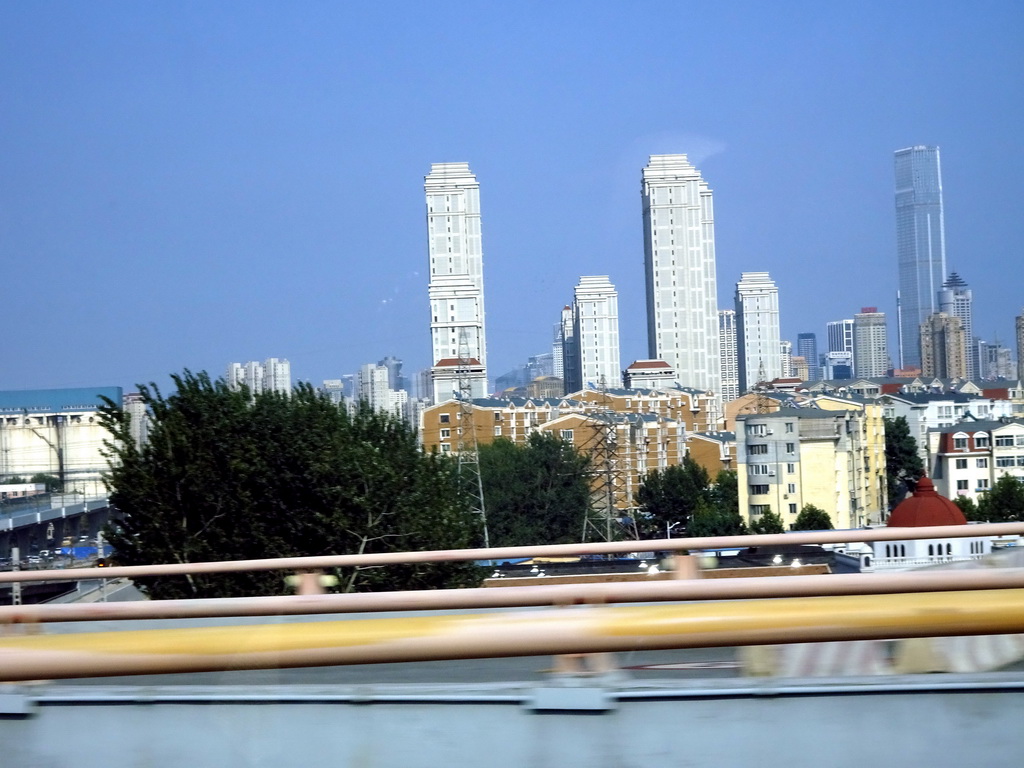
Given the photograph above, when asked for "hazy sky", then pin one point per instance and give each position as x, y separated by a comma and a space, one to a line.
183, 184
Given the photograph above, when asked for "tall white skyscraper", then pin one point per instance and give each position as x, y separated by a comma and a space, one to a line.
870, 343
456, 265
757, 329
679, 261
956, 300
920, 244
595, 320
730, 360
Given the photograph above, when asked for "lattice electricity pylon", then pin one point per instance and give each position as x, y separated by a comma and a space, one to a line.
605, 477
470, 480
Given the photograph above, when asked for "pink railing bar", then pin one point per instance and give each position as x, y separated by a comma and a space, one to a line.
526, 596
510, 553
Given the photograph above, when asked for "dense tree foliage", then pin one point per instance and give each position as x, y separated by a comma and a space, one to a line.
537, 493
1003, 502
903, 466
768, 522
229, 476
812, 518
669, 496
968, 507
710, 520
725, 493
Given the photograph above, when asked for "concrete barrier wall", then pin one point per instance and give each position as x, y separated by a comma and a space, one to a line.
915, 721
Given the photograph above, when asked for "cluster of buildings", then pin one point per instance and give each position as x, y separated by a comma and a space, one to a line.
798, 425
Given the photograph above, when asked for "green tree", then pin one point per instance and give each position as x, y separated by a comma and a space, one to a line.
537, 493
709, 520
903, 466
52, 482
227, 476
671, 495
1003, 502
725, 493
968, 507
768, 522
812, 518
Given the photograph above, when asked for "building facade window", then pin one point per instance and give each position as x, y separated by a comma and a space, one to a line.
759, 509
982, 463
445, 418
757, 449
961, 485
790, 469
445, 434
758, 490
961, 463
790, 447
566, 435
791, 488
983, 484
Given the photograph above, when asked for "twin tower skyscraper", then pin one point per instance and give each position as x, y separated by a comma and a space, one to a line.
679, 261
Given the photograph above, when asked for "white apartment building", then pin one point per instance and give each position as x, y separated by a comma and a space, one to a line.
757, 329
595, 319
679, 263
272, 375
870, 343
966, 459
925, 411
455, 248
786, 359
730, 364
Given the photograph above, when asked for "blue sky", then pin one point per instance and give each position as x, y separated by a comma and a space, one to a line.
183, 184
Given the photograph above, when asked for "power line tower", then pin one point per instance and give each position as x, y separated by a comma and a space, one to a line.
468, 449
606, 481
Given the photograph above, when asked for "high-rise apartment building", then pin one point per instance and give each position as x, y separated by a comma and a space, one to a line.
943, 347
786, 359
757, 329
595, 318
807, 348
920, 244
456, 268
272, 375
870, 343
956, 300
1019, 328
679, 263
730, 358
571, 373
839, 334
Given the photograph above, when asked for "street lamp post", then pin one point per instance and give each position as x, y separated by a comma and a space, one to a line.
668, 529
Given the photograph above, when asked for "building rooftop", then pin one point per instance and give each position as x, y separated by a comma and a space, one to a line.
57, 400
925, 507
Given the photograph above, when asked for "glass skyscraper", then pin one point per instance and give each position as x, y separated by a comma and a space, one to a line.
920, 244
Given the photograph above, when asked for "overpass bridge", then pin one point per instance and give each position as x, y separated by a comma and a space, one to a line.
661, 702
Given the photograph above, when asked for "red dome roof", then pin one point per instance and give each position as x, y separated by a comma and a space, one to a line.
926, 507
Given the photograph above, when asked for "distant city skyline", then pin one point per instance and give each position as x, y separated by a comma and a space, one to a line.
189, 185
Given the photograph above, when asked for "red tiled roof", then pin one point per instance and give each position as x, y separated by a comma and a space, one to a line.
926, 507
453, 362
648, 364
